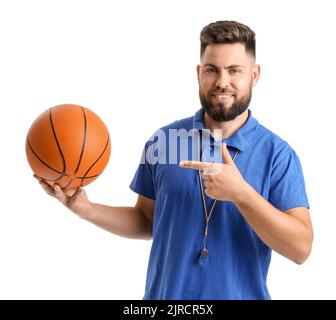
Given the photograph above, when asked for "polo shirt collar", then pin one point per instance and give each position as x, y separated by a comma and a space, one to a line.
240, 139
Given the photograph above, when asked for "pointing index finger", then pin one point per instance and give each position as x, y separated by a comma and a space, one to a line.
198, 165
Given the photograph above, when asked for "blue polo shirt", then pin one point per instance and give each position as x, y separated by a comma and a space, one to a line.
238, 261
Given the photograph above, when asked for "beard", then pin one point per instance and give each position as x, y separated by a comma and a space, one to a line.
219, 112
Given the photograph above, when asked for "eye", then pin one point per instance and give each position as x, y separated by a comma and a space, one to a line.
235, 71
210, 70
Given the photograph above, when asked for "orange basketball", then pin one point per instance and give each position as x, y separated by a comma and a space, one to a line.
68, 145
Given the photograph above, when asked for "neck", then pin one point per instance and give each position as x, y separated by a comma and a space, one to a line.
228, 128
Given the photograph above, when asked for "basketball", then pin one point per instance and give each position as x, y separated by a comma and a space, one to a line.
68, 145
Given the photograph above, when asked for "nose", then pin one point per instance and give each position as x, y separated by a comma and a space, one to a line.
223, 80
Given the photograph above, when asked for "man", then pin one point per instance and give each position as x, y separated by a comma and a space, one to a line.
213, 225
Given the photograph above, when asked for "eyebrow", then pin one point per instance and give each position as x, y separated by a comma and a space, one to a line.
229, 67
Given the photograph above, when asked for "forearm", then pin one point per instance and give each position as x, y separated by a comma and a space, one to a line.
127, 222
280, 231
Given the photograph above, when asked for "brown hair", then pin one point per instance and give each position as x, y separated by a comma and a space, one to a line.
228, 32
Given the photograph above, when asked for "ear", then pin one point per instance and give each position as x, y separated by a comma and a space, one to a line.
255, 74
198, 69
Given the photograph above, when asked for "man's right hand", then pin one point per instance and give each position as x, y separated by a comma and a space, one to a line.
75, 200
130, 222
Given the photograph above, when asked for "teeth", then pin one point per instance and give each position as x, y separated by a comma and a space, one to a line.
223, 96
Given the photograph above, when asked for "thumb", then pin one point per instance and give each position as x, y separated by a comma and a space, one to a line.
80, 193
226, 155
78, 196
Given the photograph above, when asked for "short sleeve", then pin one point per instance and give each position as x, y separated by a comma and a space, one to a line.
143, 182
287, 186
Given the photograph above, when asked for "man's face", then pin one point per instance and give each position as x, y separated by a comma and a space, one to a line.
226, 76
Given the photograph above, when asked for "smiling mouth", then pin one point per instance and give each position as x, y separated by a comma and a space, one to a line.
223, 97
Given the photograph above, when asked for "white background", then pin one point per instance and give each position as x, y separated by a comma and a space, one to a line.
133, 63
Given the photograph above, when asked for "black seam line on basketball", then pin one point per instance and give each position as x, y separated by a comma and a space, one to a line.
84, 142
78, 178
47, 165
88, 170
83, 178
66, 175
54, 133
